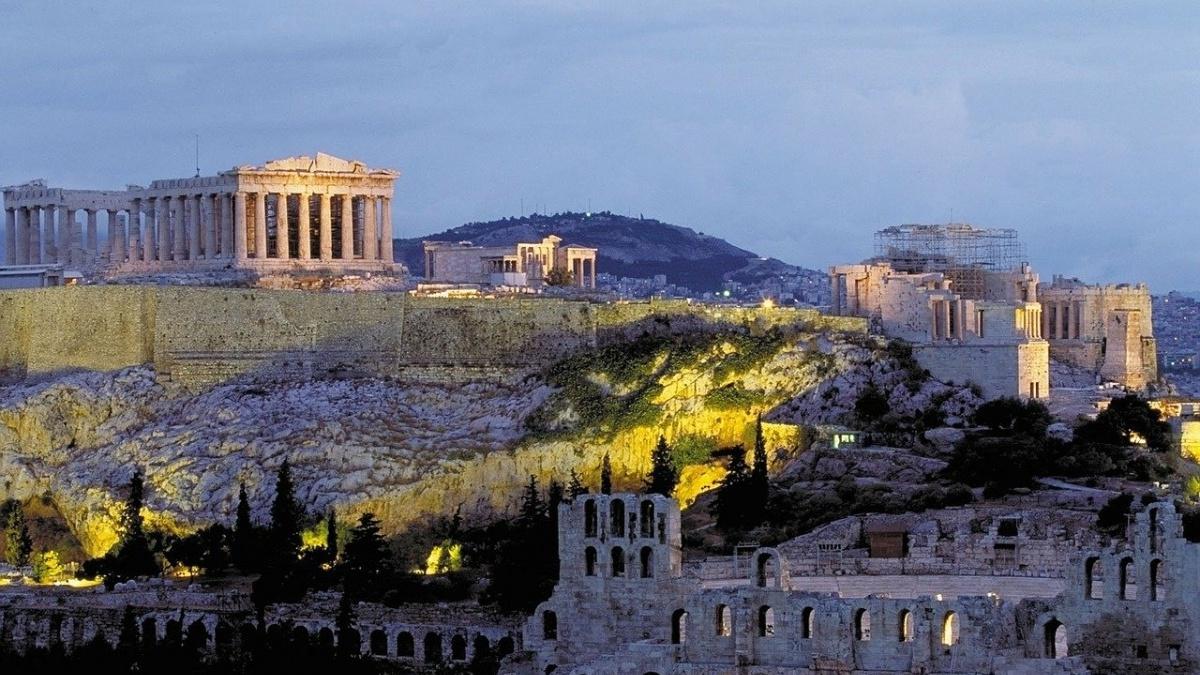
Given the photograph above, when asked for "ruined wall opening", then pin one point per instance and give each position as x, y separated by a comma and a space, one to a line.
404, 645
505, 646
300, 639
647, 518
196, 637
1156, 580
1128, 580
349, 641
549, 625
481, 648
589, 561
807, 616
1153, 516
589, 518
433, 648
905, 624
1055, 639
765, 569
616, 516
647, 559
618, 561
458, 648
766, 621
862, 624
173, 635
325, 639
1093, 583
950, 629
724, 619
679, 627
378, 642
149, 632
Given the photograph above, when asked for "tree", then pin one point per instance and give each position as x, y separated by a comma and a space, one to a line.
17, 544
365, 560
243, 534
331, 537
285, 518
575, 488
1015, 416
663, 475
525, 564
1114, 515
206, 549
759, 490
133, 556
1125, 419
344, 622
533, 510
554, 497
871, 404
559, 276
605, 476
46, 567
732, 493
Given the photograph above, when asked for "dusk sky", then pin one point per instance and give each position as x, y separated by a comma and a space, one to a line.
793, 129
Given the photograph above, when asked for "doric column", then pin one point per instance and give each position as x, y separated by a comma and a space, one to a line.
347, 227
370, 232
227, 226
10, 236
22, 257
148, 231
326, 229
116, 237
163, 237
239, 225
194, 227
282, 241
179, 235
303, 228
385, 236
130, 234
62, 240
208, 222
91, 236
593, 270
260, 225
1058, 320
35, 235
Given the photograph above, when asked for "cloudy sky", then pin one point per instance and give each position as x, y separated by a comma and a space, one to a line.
794, 129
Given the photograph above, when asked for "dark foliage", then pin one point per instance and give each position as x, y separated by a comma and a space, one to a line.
663, 475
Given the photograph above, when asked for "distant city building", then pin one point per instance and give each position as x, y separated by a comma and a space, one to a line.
1178, 360
523, 264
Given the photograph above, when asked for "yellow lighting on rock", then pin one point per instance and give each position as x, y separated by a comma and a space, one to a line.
445, 557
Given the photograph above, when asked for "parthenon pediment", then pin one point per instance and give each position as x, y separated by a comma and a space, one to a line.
323, 163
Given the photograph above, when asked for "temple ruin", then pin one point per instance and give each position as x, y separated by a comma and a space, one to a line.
522, 265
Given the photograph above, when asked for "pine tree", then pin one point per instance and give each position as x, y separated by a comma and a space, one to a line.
533, 511
243, 534
554, 497
730, 506
760, 486
663, 475
133, 557
606, 476
331, 538
344, 622
575, 488
17, 544
285, 518
365, 559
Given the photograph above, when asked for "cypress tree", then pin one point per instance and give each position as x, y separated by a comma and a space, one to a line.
663, 475
606, 476
285, 518
575, 488
133, 556
731, 500
17, 544
533, 511
365, 559
554, 497
344, 622
331, 538
243, 533
760, 485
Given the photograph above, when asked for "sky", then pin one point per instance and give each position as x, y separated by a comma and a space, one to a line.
793, 129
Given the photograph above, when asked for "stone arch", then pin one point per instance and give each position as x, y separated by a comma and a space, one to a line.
589, 561
300, 639
769, 569
505, 646
549, 625
766, 621
481, 648
589, 518
646, 516
1128, 579
325, 638
950, 629
149, 633
904, 623
808, 617
724, 621
647, 559
458, 648
678, 626
377, 642
404, 645
618, 561
1157, 583
350, 641
1055, 639
862, 624
1093, 579
173, 635
616, 517
197, 636
433, 647
276, 637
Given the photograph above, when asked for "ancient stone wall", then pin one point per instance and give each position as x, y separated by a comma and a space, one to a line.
1021, 369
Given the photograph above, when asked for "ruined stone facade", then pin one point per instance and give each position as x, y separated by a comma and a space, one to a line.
321, 214
525, 264
1104, 328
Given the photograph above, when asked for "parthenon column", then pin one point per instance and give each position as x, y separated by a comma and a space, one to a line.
208, 224
116, 237
193, 205
22, 257
228, 227
1058, 320
91, 236
179, 238
325, 245
10, 236
347, 226
48, 241
370, 232
303, 228
239, 225
260, 225
148, 231
282, 242
385, 236
63, 238
164, 228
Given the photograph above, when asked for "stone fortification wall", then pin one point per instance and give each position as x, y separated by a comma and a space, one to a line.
200, 336
1000, 370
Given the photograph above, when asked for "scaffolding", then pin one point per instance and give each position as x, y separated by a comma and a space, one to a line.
960, 251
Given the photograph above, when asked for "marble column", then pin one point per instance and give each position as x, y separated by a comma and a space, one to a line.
116, 237
62, 239
325, 244
370, 233
347, 227
91, 236
227, 226
260, 225
148, 233
129, 233
385, 235
239, 226
179, 238
304, 228
22, 257
49, 240
10, 236
164, 228
282, 240
208, 222
193, 205
1058, 320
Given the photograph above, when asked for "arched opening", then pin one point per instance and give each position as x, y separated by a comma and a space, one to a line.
378, 642
724, 621
458, 648
404, 645
1055, 639
197, 636
149, 632
950, 629
905, 624
549, 625
765, 569
1093, 584
1156, 580
504, 646
300, 640
481, 649
589, 518
325, 639
349, 641
647, 518
589, 561
433, 648
766, 621
862, 624
276, 638
1128, 580
616, 517
678, 627
807, 618
618, 561
173, 635
647, 558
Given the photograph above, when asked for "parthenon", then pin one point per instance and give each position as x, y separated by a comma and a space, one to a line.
293, 214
